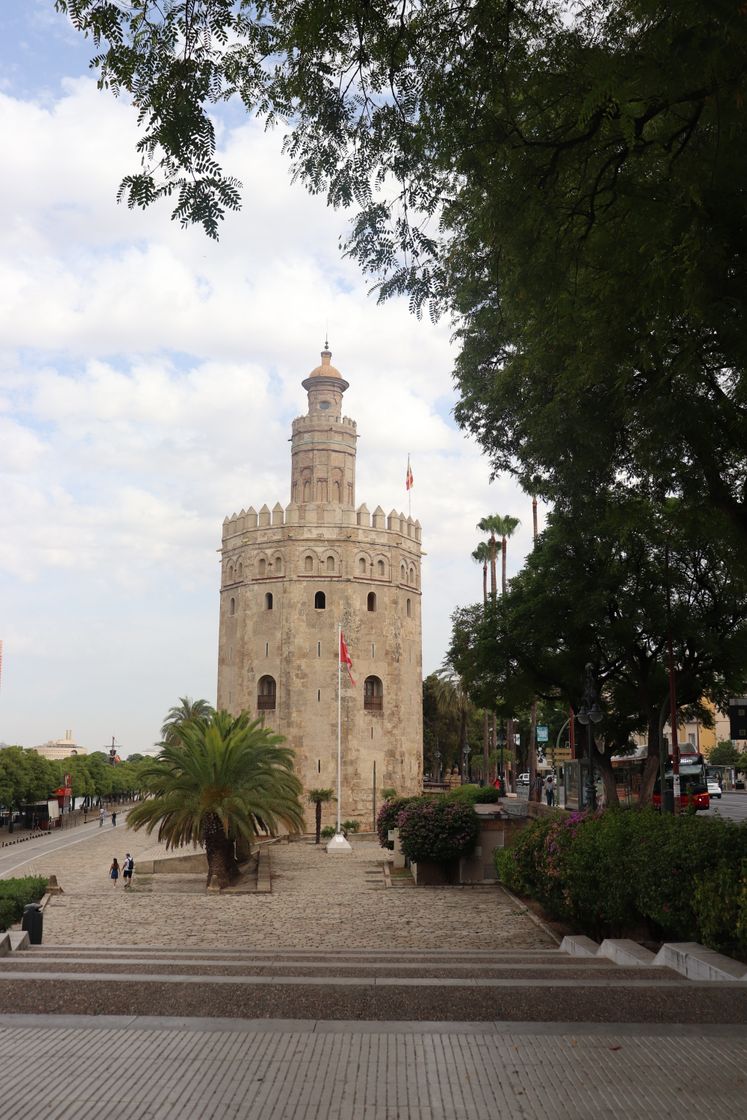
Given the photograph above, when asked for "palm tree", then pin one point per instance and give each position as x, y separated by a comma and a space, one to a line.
452, 699
222, 780
318, 797
488, 525
186, 709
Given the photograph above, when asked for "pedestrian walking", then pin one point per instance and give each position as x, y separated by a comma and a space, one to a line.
102, 816
114, 871
114, 820
127, 868
549, 789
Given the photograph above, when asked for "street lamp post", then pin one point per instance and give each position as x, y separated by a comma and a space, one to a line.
590, 713
437, 758
501, 745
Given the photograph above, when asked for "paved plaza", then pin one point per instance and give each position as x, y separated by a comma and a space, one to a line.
317, 901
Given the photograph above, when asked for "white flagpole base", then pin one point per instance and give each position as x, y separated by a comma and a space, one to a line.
338, 843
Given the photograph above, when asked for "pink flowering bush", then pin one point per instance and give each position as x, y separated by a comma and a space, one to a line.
437, 830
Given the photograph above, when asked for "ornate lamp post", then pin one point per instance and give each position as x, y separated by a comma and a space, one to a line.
501, 745
466, 750
588, 714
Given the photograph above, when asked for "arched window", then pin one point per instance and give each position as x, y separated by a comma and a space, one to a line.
362, 566
336, 495
232, 606
278, 565
308, 564
266, 694
262, 568
409, 608
373, 695
239, 570
412, 576
306, 489
381, 571
371, 602
229, 574
268, 601
320, 601
403, 573
331, 564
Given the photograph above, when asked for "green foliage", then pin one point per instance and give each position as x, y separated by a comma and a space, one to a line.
17, 893
350, 826
224, 779
726, 754
387, 816
389, 793
437, 830
328, 832
474, 795
621, 871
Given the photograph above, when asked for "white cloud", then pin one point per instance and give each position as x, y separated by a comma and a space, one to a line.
147, 387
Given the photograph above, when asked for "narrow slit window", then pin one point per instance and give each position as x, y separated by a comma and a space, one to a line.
267, 649
319, 649
318, 695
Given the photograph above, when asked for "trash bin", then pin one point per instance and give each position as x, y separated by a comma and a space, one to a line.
33, 922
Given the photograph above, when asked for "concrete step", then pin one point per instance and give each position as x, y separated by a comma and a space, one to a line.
561, 999
127, 964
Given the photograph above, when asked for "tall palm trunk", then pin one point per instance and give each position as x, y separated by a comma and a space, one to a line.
222, 866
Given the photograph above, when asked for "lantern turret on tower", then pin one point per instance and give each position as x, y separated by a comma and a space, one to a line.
323, 442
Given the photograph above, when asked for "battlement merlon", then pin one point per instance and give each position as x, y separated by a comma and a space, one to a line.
323, 421
313, 517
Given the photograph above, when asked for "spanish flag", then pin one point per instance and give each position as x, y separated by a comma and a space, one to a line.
345, 658
408, 476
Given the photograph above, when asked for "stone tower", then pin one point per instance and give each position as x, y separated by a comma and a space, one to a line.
289, 578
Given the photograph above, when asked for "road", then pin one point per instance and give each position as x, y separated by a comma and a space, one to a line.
732, 805
14, 859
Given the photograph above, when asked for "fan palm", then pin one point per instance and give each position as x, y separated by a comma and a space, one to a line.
318, 797
221, 781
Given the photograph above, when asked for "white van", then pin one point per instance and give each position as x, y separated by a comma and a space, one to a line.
522, 780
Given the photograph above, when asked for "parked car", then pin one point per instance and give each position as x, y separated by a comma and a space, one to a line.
714, 789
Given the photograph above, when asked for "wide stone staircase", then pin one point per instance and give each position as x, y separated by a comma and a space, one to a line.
348, 984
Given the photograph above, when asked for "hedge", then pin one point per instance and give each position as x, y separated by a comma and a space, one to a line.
17, 893
636, 873
474, 795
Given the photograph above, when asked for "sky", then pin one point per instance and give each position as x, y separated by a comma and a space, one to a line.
148, 381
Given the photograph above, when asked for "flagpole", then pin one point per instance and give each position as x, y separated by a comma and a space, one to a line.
338, 843
339, 723
409, 488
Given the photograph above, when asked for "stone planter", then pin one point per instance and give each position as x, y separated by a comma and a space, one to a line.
430, 874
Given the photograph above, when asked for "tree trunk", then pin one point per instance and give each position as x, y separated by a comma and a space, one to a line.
503, 565
493, 572
603, 763
222, 866
318, 812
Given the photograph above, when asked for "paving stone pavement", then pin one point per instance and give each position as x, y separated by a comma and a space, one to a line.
212, 1070
317, 901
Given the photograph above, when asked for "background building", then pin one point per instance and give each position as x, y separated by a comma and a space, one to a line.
289, 578
60, 748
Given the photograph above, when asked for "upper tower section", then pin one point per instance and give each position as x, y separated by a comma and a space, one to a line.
323, 442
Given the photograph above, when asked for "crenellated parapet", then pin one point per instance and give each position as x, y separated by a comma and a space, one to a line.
312, 516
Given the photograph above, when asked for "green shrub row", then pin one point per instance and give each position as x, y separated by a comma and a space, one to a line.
473, 795
637, 873
17, 893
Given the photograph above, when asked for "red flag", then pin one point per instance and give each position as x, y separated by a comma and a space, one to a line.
408, 476
345, 658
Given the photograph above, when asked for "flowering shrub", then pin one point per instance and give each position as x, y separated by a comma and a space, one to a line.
624, 872
386, 817
437, 830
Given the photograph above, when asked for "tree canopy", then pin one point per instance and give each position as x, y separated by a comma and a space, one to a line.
567, 181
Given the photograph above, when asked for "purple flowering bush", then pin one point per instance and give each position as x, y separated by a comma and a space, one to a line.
437, 830
387, 816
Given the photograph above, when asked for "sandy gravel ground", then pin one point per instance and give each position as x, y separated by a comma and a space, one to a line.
317, 901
